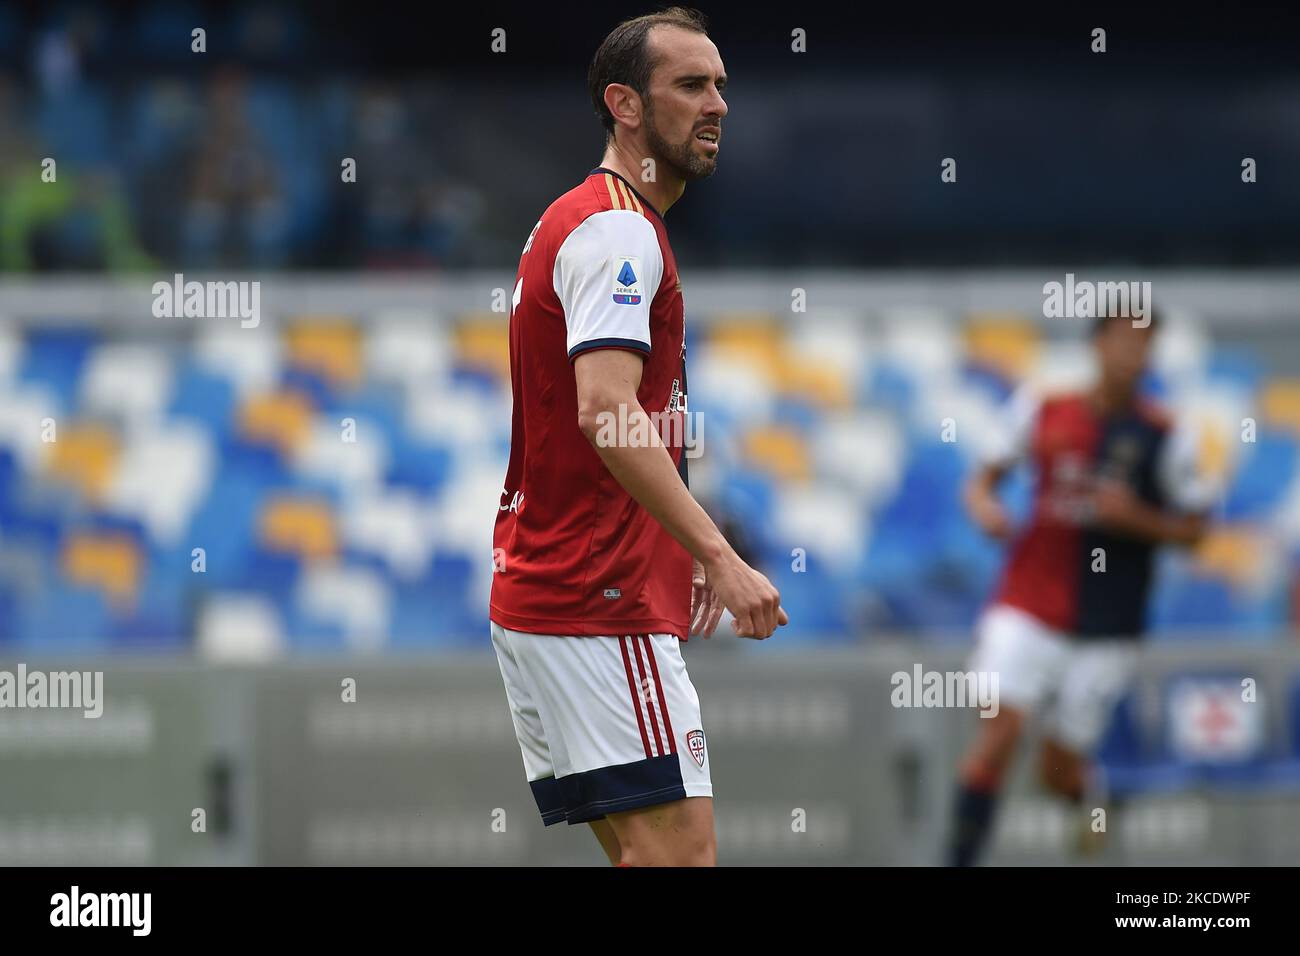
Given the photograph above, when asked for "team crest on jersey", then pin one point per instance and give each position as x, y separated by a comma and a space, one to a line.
627, 280
695, 744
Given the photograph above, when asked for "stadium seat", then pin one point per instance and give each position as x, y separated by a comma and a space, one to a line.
1279, 405
482, 341
55, 358
1006, 343
281, 420
108, 562
1128, 758
357, 600
1265, 472
127, 382
780, 451
84, 457
329, 346
298, 526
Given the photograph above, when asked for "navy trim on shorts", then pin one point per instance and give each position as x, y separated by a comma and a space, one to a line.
550, 799
643, 783
633, 345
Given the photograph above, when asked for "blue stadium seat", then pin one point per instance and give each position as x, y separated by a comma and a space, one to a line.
380, 407
63, 620
9, 483
1266, 474
1235, 366
1126, 757
309, 634
205, 396
160, 621
223, 525
8, 616
55, 358
815, 601
989, 381
425, 468
889, 387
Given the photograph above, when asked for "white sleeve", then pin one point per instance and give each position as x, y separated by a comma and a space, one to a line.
1178, 472
607, 271
1013, 429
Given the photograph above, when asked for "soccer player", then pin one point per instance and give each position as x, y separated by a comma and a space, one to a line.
605, 561
1113, 481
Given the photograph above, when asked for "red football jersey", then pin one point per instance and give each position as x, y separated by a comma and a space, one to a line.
574, 554
1052, 570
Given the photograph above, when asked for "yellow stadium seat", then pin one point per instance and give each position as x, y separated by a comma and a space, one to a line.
482, 341
1279, 404
109, 562
280, 419
1230, 552
822, 386
304, 527
1214, 456
328, 346
780, 451
84, 456
1007, 342
753, 337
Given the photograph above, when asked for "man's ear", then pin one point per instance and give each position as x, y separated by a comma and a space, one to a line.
624, 104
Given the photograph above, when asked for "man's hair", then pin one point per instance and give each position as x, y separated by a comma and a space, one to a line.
624, 56
1099, 322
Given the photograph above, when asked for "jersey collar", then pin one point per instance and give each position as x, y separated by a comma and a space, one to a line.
645, 202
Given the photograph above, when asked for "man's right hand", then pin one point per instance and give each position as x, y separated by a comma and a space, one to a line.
987, 512
755, 605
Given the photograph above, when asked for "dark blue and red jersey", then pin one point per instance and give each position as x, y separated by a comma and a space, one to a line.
1063, 568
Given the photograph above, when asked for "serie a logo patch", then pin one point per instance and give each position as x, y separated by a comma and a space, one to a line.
627, 280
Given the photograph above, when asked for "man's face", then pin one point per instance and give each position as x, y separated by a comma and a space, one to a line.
1122, 350
684, 108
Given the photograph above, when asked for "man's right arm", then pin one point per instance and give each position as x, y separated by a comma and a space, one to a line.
983, 505
607, 383
1004, 447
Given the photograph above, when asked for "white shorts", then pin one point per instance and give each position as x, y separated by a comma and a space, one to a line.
605, 724
1072, 684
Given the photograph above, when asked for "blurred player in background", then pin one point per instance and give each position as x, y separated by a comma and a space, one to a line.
1113, 481
605, 559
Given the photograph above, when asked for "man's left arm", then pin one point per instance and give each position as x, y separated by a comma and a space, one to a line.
1189, 495
1118, 509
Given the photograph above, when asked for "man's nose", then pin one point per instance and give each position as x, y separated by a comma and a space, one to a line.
718, 107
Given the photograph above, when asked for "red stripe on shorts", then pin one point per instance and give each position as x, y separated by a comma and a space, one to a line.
640, 666
636, 698
663, 704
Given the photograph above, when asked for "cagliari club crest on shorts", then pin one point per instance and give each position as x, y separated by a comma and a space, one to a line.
695, 743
